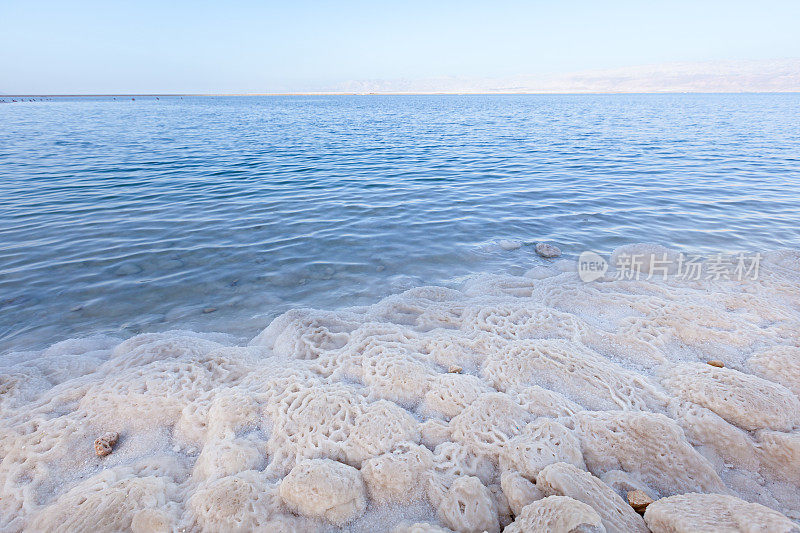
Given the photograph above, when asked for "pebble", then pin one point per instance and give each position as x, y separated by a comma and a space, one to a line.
639, 500
209, 310
547, 250
105, 444
716, 363
454, 369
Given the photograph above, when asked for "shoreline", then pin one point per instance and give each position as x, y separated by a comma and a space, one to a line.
502, 392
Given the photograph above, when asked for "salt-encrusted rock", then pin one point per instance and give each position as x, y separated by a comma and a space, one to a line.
365, 386
567, 480
541, 443
639, 500
451, 393
225, 457
717, 363
704, 427
488, 423
419, 527
747, 401
468, 507
780, 364
623, 483
325, 489
780, 454
519, 491
239, 503
547, 250
649, 445
104, 445
396, 476
714, 513
557, 514
107, 501
454, 369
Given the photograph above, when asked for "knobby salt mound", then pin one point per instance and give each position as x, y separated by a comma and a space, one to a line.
570, 395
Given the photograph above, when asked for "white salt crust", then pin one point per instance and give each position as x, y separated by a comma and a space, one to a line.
569, 395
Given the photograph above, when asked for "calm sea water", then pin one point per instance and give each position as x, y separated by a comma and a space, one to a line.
122, 216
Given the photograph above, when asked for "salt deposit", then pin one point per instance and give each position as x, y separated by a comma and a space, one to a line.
547, 250
524, 403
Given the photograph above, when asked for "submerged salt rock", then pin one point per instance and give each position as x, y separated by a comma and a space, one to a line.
714, 513
647, 259
639, 500
567, 480
104, 445
557, 514
509, 245
547, 250
322, 488
747, 401
468, 507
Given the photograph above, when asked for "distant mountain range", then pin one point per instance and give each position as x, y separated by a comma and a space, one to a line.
725, 76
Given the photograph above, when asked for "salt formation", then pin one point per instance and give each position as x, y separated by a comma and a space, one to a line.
547, 250
557, 514
714, 513
516, 403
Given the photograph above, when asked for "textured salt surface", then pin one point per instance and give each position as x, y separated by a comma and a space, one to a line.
570, 395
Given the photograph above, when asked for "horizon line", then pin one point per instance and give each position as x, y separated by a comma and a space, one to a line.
386, 93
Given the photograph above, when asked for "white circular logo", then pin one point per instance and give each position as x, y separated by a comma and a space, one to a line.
591, 266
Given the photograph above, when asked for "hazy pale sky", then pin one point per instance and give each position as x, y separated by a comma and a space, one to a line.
247, 46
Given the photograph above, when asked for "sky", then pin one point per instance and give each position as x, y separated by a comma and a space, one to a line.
87, 47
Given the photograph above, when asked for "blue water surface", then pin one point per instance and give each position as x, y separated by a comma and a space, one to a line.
119, 216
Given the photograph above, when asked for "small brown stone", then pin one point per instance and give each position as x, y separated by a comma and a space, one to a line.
455, 369
105, 444
639, 500
716, 363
